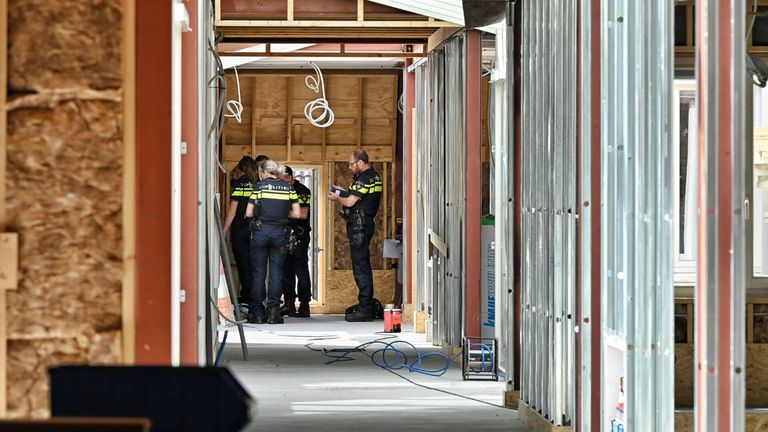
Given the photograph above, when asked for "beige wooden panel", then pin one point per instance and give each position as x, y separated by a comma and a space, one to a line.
375, 153
308, 153
342, 132
237, 134
378, 97
378, 132
270, 96
342, 87
270, 130
301, 93
233, 153
305, 133
274, 152
246, 96
9, 260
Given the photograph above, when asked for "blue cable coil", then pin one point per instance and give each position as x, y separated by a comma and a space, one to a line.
390, 357
485, 353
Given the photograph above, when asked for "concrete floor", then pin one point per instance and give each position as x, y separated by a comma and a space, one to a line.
293, 388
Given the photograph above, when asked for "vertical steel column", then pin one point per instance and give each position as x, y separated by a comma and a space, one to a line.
473, 179
589, 314
721, 269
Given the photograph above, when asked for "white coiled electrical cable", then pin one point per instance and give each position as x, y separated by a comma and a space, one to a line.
235, 107
325, 117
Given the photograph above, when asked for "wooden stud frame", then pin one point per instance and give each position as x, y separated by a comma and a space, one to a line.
3, 149
129, 182
689, 49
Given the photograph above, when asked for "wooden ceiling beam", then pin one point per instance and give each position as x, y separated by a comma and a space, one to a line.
321, 54
223, 24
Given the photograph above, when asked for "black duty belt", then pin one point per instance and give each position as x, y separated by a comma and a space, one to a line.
274, 223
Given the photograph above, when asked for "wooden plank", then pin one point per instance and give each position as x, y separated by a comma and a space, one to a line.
217, 10
375, 153
233, 153
129, 182
439, 37
288, 123
306, 153
9, 261
360, 96
290, 10
236, 133
277, 152
336, 23
377, 122
253, 118
3, 111
360, 10
3, 151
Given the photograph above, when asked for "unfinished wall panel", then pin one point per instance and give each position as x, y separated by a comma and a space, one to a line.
274, 124
64, 191
64, 46
342, 261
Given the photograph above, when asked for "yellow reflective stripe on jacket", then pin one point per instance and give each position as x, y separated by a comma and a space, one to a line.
241, 192
283, 196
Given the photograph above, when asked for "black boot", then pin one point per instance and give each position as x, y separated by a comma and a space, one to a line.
274, 315
258, 315
303, 310
288, 309
359, 316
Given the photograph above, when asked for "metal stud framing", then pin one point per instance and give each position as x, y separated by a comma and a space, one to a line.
440, 194
636, 233
549, 176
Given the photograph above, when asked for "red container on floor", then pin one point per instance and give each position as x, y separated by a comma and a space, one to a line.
393, 318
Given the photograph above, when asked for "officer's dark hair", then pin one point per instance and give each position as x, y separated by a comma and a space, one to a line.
260, 160
246, 167
288, 170
360, 155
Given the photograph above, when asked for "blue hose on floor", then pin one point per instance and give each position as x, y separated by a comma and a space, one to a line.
391, 357
221, 349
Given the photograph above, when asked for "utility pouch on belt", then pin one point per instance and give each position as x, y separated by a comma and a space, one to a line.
293, 240
358, 230
344, 213
254, 224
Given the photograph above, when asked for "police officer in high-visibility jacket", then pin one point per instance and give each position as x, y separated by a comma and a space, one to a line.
296, 266
272, 203
360, 204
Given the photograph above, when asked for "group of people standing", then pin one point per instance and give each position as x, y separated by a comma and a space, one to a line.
268, 226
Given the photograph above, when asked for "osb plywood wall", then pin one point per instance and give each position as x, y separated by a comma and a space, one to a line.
64, 190
341, 251
341, 291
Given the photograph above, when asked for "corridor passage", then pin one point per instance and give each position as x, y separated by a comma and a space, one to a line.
295, 389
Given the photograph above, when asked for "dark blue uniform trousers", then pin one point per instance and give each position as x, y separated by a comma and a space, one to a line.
361, 262
240, 238
297, 267
269, 242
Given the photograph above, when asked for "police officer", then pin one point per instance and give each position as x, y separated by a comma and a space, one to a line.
272, 203
243, 176
297, 261
360, 205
